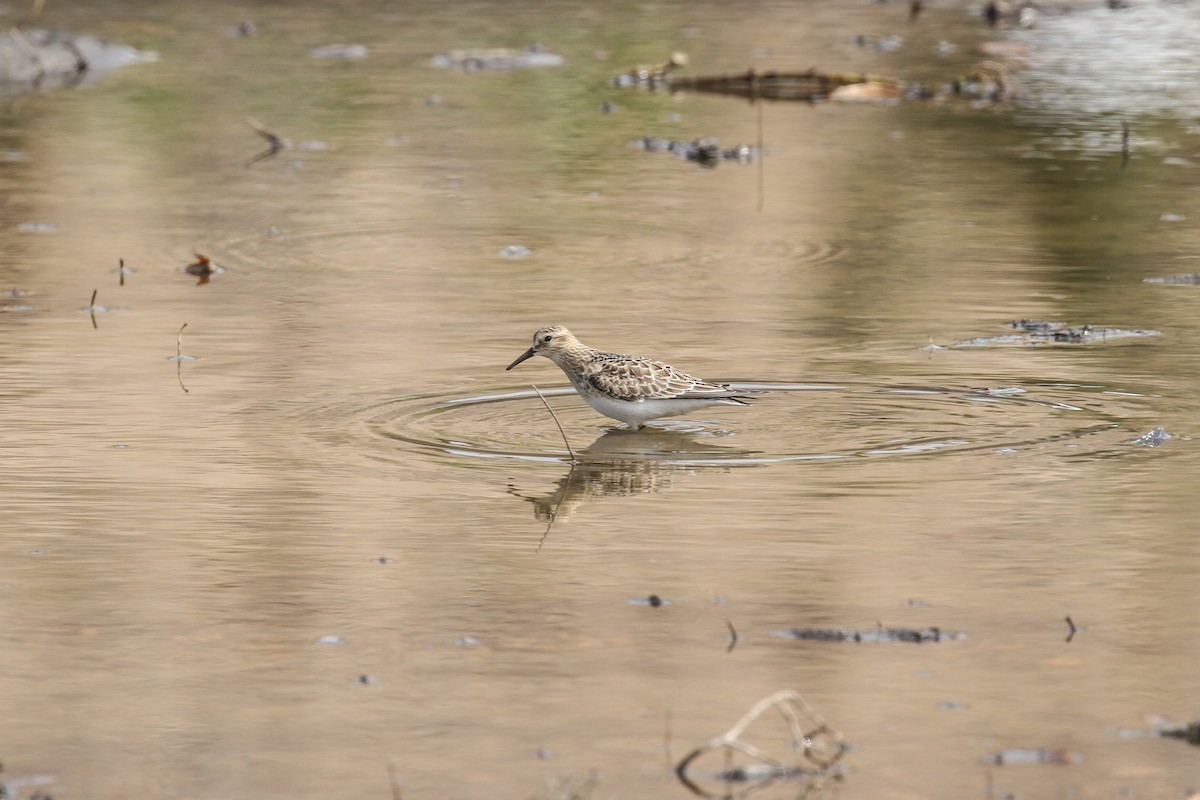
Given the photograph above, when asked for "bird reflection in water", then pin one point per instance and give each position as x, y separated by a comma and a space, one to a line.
623, 462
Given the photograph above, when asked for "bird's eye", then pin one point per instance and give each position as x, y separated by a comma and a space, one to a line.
547, 339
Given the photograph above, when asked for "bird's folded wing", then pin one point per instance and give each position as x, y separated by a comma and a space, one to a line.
643, 379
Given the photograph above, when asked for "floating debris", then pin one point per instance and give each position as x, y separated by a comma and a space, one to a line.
810, 85
653, 600
1087, 334
1188, 279
1003, 391
203, 269
1034, 325
1037, 332
383, 560
987, 83
1152, 438
811, 753
706, 152
879, 634
887, 44
1170, 217
275, 142
1022, 755
346, 51
651, 77
497, 58
466, 640
37, 227
1187, 731
367, 680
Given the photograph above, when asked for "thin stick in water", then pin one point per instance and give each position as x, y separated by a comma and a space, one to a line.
92, 308
121, 271
179, 359
762, 179
395, 784
1126, 145
733, 637
556, 422
1071, 625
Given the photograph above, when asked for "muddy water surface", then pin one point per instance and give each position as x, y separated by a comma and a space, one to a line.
341, 536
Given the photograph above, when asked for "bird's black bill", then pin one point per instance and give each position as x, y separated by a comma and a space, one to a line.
527, 354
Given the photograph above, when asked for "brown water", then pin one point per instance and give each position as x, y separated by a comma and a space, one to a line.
346, 457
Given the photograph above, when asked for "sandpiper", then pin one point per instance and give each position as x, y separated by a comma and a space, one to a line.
631, 389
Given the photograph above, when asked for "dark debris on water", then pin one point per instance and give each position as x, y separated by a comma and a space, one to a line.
707, 151
1187, 731
879, 634
1031, 332
1024, 755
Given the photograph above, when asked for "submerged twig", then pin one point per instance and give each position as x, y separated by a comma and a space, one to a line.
1072, 627
556, 422
761, 174
733, 636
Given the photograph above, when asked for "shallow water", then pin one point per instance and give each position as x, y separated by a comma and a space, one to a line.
345, 456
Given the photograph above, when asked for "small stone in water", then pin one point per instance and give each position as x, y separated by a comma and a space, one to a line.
515, 251
330, 640
339, 51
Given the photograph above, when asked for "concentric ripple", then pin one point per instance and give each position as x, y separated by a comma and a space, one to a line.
795, 423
